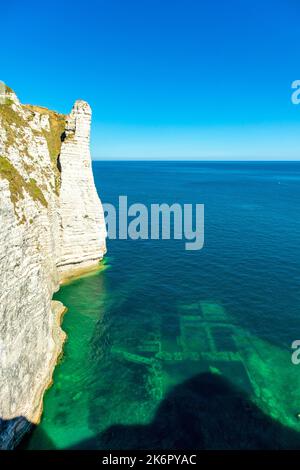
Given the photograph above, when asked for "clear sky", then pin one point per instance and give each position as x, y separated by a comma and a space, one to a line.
165, 78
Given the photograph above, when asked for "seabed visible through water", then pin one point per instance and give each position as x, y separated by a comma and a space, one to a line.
209, 341
174, 349
127, 383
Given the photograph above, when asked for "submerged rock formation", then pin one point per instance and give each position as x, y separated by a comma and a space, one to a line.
51, 227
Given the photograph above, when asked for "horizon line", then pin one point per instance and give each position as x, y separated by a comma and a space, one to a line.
191, 160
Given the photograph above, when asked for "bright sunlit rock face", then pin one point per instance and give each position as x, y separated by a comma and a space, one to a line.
51, 226
83, 229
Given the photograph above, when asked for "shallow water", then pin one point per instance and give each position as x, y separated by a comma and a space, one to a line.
173, 348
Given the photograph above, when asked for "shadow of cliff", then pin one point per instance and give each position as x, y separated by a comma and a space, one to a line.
205, 412
12, 431
45, 443
15, 434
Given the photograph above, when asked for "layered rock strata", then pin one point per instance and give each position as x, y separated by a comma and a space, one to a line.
51, 227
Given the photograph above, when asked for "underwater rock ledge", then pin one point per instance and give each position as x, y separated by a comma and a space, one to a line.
51, 226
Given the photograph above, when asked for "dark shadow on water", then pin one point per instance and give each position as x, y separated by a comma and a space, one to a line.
45, 443
12, 431
15, 434
205, 412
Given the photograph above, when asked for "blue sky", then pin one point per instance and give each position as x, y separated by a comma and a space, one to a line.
165, 78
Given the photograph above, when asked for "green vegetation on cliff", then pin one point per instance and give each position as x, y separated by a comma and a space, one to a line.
8, 89
17, 184
15, 124
11, 120
57, 127
53, 137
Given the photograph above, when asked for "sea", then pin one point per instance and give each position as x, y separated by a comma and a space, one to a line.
169, 348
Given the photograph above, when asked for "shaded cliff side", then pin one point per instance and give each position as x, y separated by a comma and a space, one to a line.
51, 227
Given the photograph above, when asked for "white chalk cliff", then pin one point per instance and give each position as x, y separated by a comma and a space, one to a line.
51, 227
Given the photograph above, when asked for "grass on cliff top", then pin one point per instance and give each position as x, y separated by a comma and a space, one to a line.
8, 89
17, 184
53, 137
57, 127
10, 118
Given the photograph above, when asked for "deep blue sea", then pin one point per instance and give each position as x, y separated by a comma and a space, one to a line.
169, 348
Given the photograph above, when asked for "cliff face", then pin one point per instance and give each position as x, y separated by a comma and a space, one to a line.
83, 229
51, 227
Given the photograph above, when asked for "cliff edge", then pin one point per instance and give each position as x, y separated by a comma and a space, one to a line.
51, 227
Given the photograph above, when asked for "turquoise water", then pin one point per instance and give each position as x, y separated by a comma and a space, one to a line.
170, 348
